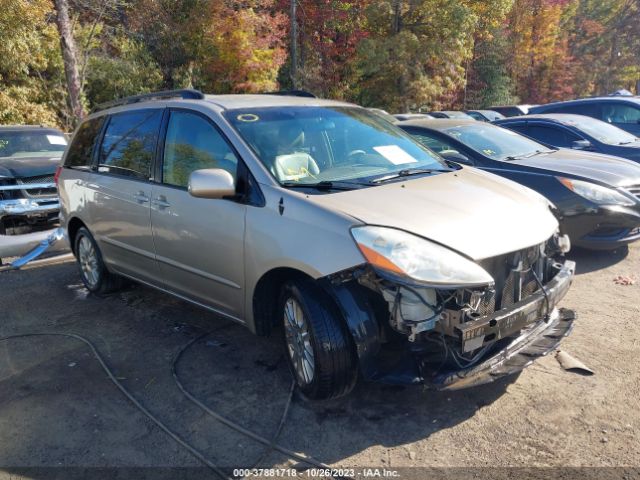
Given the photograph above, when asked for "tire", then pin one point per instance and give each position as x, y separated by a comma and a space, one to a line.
334, 371
93, 271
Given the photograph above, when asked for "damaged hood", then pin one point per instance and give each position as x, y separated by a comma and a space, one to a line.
21, 167
592, 166
475, 213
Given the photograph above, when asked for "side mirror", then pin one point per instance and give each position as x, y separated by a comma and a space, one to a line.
582, 145
211, 183
453, 156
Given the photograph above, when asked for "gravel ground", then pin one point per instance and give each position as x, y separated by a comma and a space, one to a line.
59, 409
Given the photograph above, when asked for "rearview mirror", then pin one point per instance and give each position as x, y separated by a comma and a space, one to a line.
457, 157
582, 145
211, 183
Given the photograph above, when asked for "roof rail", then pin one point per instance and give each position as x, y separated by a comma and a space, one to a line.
187, 93
293, 93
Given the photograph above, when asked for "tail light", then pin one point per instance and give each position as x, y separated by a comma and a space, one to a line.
56, 175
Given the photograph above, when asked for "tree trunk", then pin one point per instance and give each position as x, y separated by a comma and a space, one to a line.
68, 46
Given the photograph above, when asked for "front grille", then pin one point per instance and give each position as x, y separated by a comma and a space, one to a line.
514, 275
38, 192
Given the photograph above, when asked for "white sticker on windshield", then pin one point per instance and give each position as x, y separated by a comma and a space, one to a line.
395, 154
56, 140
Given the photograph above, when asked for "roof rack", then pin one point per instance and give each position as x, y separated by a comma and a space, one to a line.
188, 94
293, 93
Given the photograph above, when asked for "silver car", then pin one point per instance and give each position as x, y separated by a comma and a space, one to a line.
372, 256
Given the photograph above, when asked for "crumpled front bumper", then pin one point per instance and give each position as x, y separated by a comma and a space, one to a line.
538, 335
535, 342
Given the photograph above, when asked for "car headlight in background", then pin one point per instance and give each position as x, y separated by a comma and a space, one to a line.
401, 253
596, 193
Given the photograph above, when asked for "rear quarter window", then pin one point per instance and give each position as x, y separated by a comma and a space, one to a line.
81, 148
129, 143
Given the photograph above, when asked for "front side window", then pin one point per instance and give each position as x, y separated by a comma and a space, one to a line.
193, 143
81, 147
620, 113
309, 145
31, 143
129, 143
495, 142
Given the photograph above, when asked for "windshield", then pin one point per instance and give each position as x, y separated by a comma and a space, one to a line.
30, 143
495, 142
603, 131
314, 145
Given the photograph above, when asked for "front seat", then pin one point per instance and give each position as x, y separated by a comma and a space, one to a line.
293, 164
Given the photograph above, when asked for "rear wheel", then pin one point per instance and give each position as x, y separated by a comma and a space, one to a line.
93, 271
319, 348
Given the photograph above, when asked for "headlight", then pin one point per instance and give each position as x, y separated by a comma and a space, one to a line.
401, 253
596, 193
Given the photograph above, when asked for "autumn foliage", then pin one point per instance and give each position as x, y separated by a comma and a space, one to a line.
396, 54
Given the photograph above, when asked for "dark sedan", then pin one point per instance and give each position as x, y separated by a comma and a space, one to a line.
621, 111
597, 196
577, 132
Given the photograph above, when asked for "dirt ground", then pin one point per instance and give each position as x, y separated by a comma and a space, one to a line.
58, 408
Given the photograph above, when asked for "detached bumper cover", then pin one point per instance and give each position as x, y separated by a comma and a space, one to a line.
32, 245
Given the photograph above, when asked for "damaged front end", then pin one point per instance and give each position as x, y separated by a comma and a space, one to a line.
452, 336
29, 209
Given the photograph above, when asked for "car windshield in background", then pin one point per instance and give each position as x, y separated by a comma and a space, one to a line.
603, 132
325, 146
496, 142
31, 144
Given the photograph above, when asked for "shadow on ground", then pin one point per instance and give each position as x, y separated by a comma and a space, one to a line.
590, 260
58, 408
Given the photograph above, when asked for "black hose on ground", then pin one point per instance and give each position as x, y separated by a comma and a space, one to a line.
271, 444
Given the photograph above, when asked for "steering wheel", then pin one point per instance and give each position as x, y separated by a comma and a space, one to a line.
353, 153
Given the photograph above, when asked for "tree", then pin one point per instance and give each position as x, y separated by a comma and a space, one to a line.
68, 47
30, 64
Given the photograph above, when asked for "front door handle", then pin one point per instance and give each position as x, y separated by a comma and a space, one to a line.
161, 202
140, 197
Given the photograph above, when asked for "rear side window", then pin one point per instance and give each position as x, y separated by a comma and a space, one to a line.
81, 148
129, 143
193, 143
590, 109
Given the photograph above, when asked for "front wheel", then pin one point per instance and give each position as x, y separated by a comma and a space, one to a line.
319, 348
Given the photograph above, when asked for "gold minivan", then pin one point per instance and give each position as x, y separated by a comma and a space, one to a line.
371, 255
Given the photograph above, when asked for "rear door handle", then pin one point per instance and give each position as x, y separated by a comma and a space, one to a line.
161, 202
140, 197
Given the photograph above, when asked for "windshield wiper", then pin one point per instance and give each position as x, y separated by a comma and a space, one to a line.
529, 155
325, 185
405, 173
